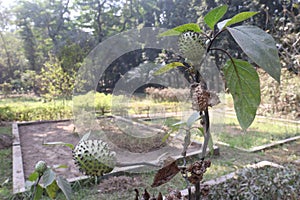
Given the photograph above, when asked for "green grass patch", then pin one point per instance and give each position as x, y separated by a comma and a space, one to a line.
261, 132
5, 167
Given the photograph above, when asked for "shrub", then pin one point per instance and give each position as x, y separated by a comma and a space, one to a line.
262, 183
281, 100
103, 103
167, 94
6, 114
30, 113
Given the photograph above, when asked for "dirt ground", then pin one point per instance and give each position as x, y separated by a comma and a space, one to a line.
34, 136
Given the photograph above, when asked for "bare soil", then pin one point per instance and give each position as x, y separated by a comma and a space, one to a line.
34, 136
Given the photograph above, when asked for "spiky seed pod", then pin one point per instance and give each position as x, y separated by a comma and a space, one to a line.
40, 167
200, 97
191, 45
196, 170
94, 158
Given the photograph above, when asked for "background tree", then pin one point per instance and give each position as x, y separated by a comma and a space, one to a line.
71, 29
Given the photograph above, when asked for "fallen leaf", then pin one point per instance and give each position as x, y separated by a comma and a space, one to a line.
165, 174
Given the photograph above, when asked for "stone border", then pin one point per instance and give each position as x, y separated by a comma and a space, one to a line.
18, 170
224, 178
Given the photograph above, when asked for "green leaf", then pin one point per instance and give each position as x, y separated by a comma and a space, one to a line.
192, 119
168, 67
65, 186
71, 146
259, 46
201, 129
38, 193
52, 190
239, 18
48, 177
166, 136
243, 83
33, 176
29, 184
181, 29
213, 16
211, 146
59, 166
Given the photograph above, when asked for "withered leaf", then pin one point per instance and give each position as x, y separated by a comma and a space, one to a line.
165, 174
159, 197
136, 194
146, 195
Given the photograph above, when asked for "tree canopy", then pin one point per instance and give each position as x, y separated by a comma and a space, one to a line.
35, 31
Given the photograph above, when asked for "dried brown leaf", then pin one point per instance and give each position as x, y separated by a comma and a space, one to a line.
146, 195
165, 174
159, 197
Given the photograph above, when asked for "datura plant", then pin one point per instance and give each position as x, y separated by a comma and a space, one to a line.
94, 158
45, 181
241, 79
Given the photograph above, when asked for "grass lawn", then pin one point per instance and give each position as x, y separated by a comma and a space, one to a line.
5, 167
261, 132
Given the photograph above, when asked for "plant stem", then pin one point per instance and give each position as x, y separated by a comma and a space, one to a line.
206, 133
189, 192
212, 41
231, 59
197, 191
35, 186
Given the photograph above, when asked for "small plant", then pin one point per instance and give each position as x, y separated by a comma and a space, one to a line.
44, 180
241, 78
262, 183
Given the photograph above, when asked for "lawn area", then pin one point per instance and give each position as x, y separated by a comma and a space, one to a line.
261, 132
5, 166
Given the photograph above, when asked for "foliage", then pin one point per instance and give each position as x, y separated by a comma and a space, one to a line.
167, 94
103, 103
261, 183
240, 76
48, 182
243, 83
280, 100
237, 73
6, 88
54, 82
70, 30
25, 110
